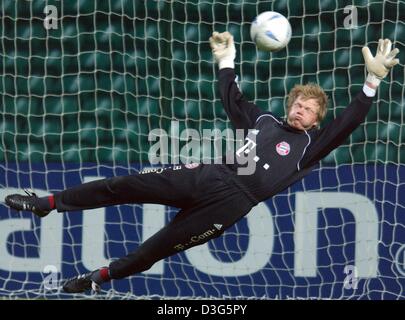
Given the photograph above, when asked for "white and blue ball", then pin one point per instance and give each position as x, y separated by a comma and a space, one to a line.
270, 31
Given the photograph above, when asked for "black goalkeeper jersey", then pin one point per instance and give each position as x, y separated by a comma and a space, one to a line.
280, 154
214, 197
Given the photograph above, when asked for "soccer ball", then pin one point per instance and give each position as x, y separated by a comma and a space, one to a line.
271, 31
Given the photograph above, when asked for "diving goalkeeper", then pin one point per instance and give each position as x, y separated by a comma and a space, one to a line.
213, 197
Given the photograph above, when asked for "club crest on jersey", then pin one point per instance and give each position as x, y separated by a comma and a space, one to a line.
283, 148
191, 165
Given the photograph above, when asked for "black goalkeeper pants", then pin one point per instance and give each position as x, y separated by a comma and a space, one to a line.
209, 202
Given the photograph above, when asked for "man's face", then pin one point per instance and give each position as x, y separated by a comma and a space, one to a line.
303, 114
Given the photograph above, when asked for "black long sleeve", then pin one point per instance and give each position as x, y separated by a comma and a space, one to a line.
334, 134
242, 113
282, 154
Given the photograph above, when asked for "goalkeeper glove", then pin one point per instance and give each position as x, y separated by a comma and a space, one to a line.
223, 49
379, 66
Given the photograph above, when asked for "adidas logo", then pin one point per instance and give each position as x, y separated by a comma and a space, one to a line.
218, 226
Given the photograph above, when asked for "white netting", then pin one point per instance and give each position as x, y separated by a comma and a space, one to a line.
81, 93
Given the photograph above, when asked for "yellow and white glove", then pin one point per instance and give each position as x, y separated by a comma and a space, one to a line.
223, 49
379, 66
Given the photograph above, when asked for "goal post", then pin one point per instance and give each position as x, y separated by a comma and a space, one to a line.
84, 83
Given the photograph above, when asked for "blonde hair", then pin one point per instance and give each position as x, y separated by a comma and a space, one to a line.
308, 91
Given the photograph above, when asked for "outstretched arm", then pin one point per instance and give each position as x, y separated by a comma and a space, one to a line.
335, 133
241, 112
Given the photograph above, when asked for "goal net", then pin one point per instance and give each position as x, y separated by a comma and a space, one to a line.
83, 83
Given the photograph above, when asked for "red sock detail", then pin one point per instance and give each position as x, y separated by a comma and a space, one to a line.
51, 200
104, 274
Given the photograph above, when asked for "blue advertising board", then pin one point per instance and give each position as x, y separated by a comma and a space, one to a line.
337, 234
